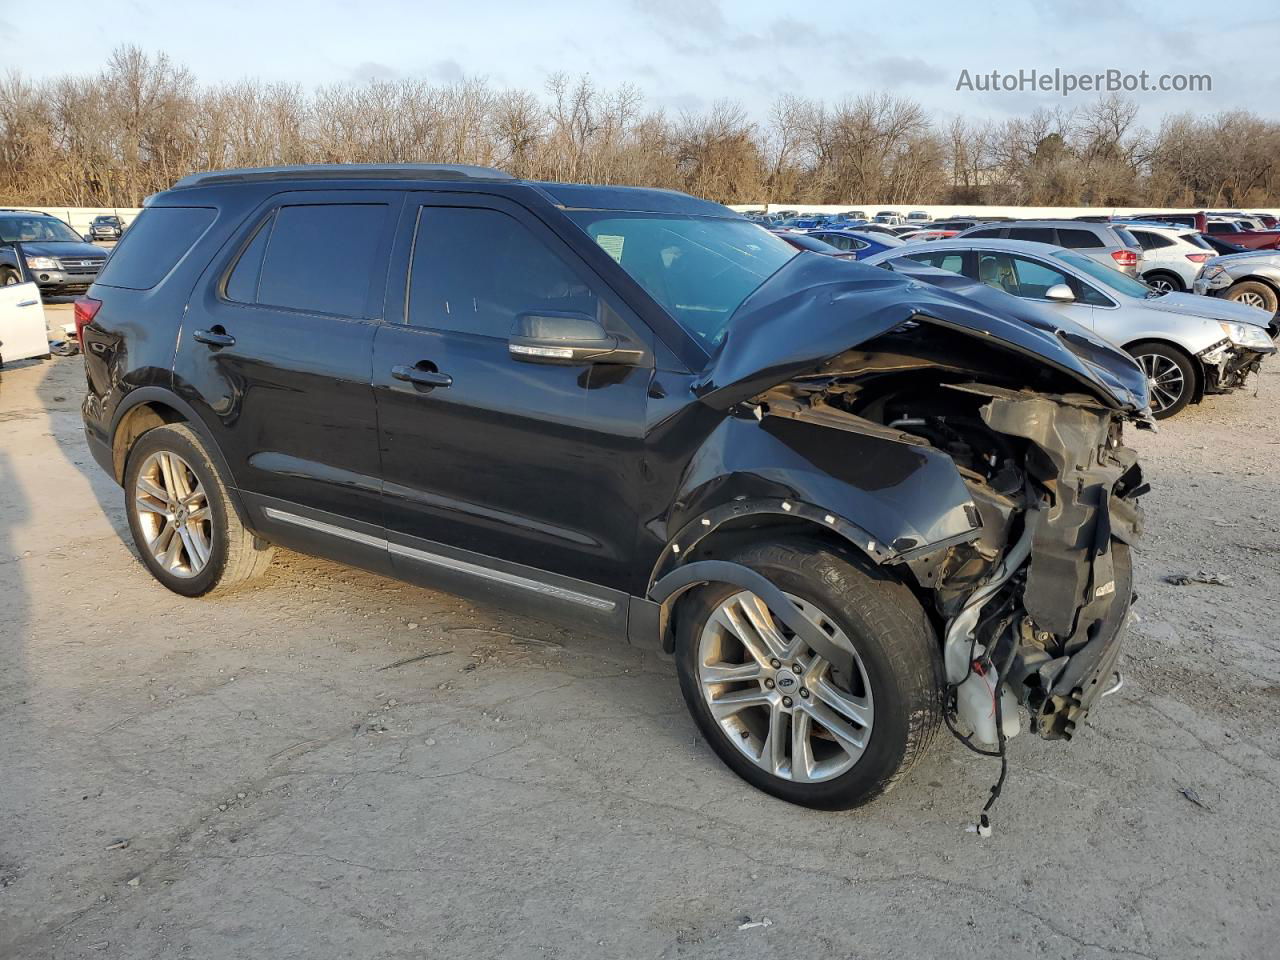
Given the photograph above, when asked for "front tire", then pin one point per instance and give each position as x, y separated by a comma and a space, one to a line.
1171, 377
836, 742
183, 522
1254, 294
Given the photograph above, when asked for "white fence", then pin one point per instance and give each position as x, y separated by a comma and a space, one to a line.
81, 217
944, 211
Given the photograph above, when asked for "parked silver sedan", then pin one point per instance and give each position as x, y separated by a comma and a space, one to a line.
1189, 346
1251, 278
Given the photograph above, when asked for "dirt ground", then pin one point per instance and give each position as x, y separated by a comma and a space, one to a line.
254, 776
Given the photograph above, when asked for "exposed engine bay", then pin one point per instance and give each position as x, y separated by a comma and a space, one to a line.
1031, 603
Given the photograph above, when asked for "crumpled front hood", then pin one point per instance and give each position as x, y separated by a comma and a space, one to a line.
816, 307
1212, 308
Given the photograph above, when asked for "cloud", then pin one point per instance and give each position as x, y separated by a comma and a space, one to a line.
447, 71
371, 70
896, 71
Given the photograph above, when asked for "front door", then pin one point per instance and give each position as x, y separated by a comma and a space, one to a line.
522, 467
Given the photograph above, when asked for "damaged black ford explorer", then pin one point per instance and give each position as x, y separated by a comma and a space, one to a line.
852, 504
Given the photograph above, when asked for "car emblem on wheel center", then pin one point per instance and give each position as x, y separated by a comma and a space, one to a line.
786, 681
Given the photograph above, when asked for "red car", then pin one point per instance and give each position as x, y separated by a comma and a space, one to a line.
1226, 230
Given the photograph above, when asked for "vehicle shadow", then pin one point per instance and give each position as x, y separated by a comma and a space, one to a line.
60, 393
16, 791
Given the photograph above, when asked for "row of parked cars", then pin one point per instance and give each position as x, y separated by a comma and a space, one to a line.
1139, 282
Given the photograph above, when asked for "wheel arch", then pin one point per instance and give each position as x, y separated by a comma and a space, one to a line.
1166, 273
1197, 368
149, 407
701, 543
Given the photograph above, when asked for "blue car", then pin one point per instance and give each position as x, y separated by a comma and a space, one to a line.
858, 243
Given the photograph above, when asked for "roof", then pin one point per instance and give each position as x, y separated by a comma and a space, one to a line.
987, 243
327, 171
565, 195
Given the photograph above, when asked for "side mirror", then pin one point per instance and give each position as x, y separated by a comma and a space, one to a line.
1060, 293
569, 338
88, 238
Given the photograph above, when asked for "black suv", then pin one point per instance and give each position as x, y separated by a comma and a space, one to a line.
37, 246
848, 502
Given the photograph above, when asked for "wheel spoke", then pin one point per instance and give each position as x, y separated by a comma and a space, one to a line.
729, 615
145, 485
174, 551
735, 701
773, 754
853, 740
762, 620
856, 709
801, 748
731, 672
150, 506
197, 549
200, 513
161, 542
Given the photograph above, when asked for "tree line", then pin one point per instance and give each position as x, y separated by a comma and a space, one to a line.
113, 138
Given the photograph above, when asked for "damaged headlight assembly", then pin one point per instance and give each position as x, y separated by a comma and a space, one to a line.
1247, 335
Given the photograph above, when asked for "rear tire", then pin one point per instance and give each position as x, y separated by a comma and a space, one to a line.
183, 521
1171, 376
1254, 294
898, 691
1164, 282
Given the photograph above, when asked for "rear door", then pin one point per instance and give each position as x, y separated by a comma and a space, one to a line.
505, 478
275, 355
22, 330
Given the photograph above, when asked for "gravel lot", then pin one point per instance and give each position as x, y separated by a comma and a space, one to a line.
253, 776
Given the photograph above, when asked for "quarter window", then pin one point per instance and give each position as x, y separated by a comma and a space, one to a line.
152, 247
474, 270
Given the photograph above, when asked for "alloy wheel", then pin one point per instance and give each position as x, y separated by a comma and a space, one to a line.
1165, 380
1251, 299
173, 514
775, 699
1161, 285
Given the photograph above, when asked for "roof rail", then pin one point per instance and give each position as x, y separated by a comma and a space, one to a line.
327, 171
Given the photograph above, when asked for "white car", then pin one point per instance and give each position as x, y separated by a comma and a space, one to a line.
1188, 345
1172, 257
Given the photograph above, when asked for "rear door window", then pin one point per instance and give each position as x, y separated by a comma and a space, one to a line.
989, 232
1034, 234
320, 258
941, 259
1074, 239
152, 247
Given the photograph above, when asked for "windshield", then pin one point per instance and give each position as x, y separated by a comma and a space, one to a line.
1121, 283
699, 268
36, 228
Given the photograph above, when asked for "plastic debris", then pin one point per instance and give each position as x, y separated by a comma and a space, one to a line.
749, 924
1185, 579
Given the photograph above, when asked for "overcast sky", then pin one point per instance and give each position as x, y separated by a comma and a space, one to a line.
684, 53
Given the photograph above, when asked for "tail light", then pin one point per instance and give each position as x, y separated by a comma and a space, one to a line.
1198, 257
86, 308
1125, 258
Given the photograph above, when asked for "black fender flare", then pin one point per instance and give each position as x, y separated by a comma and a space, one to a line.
702, 526
154, 394
682, 578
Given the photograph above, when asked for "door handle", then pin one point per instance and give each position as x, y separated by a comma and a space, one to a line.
28, 303
424, 374
217, 337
